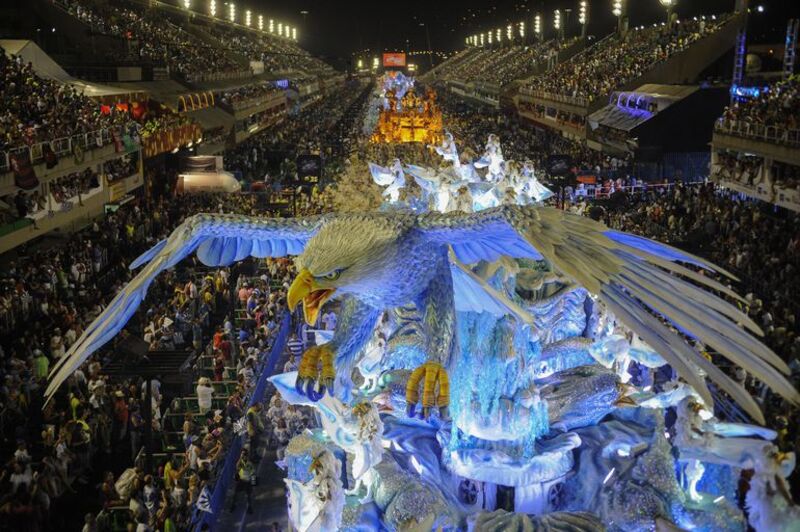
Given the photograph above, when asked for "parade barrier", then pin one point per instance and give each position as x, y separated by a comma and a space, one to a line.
226, 475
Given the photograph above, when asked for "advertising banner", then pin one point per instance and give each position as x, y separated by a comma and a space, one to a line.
394, 60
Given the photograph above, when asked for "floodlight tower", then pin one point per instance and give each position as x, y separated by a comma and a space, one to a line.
669, 5
537, 27
583, 16
620, 10
557, 24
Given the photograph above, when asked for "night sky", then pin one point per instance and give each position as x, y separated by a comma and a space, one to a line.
336, 28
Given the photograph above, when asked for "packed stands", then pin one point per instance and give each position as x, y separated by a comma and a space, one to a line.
278, 55
36, 109
773, 115
507, 63
755, 145
158, 40
615, 60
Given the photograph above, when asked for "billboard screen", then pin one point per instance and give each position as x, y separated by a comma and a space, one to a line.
394, 60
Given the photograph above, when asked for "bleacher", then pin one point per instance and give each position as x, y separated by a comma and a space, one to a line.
564, 96
755, 147
194, 50
169, 441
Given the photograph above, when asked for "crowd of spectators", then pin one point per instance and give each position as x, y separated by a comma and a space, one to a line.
94, 424
248, 95
750, 239
326, 127
616, 60
36, 109
277, 54
778, 106
73, 185
155, 38
507, 63
117, 169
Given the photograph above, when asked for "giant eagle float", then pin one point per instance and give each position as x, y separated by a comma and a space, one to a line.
378, 261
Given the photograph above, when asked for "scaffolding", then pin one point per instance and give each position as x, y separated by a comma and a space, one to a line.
790, 50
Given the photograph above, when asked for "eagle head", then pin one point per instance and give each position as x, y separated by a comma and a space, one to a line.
349, 255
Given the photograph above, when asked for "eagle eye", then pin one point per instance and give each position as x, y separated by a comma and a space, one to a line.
332, 276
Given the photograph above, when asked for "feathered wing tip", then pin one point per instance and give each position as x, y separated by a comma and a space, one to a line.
148, 255
664, 251
640, 281
222, 240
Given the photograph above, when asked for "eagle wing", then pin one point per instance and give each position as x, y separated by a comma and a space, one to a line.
219, 239
641, 281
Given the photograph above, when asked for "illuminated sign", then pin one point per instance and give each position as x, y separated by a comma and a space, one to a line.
394, 60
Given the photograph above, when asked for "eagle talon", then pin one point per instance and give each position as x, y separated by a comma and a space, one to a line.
309, 372
431, 374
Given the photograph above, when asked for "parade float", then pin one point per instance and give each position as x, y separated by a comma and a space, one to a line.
501, 365
400, 115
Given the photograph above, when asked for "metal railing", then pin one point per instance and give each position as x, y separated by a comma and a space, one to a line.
600, 191
554, 97
761, 132
63, 145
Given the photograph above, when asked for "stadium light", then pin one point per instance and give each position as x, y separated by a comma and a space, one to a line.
261, 22
583, 12
482, 39
537, 25
212, 8
360, 64
232, 12
187, 4
280, 29
491, 37
509, 32
499, 35
557, 19
375, 63
294, 34
247, 18
617, 8
522, 30
271, 26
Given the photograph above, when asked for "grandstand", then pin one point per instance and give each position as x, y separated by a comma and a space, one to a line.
756, 145
564, 96
121, 118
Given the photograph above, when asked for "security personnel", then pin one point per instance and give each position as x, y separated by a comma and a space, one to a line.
255, 427
245, 479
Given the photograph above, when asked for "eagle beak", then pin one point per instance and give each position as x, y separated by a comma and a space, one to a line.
305, 289
624, 400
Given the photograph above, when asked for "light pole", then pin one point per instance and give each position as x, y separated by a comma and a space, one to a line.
428, 40
583, 16
557, 24
622, 19
668, 5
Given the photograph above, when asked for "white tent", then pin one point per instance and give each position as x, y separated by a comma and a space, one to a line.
219, 181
